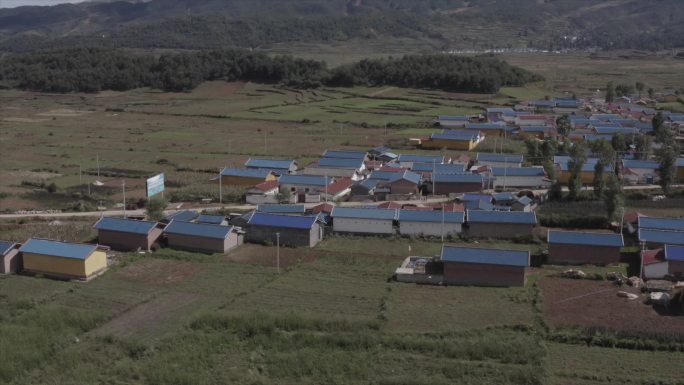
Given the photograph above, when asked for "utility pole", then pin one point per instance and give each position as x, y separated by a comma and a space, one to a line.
505, 171
123, 188
442, 222
326, 188
265, 142
97, 160
278, 252
220, 187
80, 175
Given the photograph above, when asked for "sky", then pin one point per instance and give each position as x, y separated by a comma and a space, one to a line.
19, 3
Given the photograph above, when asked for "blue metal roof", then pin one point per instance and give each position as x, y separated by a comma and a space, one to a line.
281, 209
211, 219
634, 163
534, 128
499, 110
564, 103
383, 175
488, 157
564, 159
674, 253
246, 173
345, 154
466, 136
514, 217
518, 171
604, 130
585, 238
524, 200
341, 163
58, 249
203, 230
479, 205
5, 246
476, 197
504, 197
449, 168
587, 167
485, 126
675, 224
486, 256
453, 118
185, 216
125, 225
273, 164
605, 117
457, 178
406, 175
661, 236
680, 162
305, 180
279, 220
406, 158
430, 216
347, 212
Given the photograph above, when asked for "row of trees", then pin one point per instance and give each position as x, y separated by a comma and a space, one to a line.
615, 91
92, 70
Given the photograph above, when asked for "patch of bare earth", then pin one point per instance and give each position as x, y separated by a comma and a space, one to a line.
147, 316
267, 255
595, 304
160, 272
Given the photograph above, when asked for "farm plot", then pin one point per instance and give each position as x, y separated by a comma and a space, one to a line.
595, 304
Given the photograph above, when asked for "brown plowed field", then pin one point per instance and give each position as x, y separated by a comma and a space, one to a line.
585, 303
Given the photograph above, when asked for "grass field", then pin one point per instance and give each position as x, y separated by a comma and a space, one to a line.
333, 317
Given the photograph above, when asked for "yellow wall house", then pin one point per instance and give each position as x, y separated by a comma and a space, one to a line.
62, 259
454, 140
563, 173
244, 177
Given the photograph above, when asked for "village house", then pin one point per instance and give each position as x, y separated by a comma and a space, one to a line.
433, 223
212, 219
640, 171
245, 177
523, 203
278, 166
498, 129
507, 177
337, 167
499, 160
500, 224
62, 259
587, 173
296, 231
338, 190
454, 140
539, 132
10, 258
363, 221
300, 187
584, 247
657, 232
202, 237
127, 234
531, 120
451, 121
404, 183
484, 267
182, 215
663, 262
408, 160
445, 184
286, 209
346, 154
265, 192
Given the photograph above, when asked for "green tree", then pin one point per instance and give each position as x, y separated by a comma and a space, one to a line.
619, 143
610, 92
556, 191
577, 159
533, 151
661, 132
563, 125
613, 197
155, 208
599, 179
643, 146
549, 149
550, 169
284, 196
667, 156
639, 87
603, 150
651, 93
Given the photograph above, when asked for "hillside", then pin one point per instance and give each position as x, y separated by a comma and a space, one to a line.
447, 24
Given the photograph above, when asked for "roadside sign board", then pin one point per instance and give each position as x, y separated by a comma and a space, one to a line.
155, 185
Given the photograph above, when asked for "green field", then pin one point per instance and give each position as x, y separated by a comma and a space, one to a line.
183, 318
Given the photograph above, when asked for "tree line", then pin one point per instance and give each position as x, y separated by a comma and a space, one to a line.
96, 69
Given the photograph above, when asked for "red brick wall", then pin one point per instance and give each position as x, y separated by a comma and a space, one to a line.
481, 274
456, 188
127, 241
583, 255
498, 230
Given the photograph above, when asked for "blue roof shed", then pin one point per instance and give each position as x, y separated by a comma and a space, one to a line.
203, 230
58, 249
512, 217
431, 216
585, 238
347, 212
285, 221
125, 225
462, 254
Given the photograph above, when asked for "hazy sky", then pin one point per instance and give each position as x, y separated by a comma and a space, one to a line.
19, 3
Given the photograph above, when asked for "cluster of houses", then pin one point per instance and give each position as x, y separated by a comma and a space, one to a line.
380, 175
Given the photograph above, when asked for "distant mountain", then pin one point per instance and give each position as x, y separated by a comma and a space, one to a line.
189, 24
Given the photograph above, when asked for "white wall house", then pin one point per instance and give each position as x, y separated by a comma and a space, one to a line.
366, 221
432, 223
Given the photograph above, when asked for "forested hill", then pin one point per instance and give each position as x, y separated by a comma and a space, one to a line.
471, 24
92, 70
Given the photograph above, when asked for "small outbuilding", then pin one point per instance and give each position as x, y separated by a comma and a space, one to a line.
299, 231
584, 248
127, 234
212, 219
363, 221
445, 184
500, 224
202, 237
484, 267
10, 259
62, 259
434, 223
674, 255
